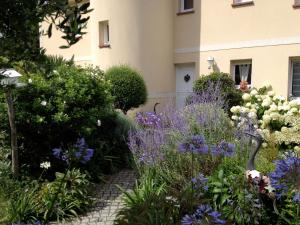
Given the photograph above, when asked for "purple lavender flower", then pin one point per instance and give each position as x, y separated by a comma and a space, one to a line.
203, 215
223, 148
286, 177
194, 144
148, 119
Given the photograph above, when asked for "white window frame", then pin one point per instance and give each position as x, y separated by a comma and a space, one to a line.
182, 3
290, 86
237, 62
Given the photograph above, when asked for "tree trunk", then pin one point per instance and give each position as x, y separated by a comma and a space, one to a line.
13, 132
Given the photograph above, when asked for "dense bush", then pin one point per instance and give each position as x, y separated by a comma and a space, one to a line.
128, 87
221, 81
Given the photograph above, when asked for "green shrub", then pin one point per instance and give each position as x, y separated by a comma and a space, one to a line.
56, 108
128, 87
231, 95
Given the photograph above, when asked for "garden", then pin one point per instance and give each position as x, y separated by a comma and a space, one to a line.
228, 157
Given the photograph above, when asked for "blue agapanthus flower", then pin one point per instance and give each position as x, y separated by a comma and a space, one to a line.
200, 182
194, 144
224, 148
203, 215
286, 177
80, 152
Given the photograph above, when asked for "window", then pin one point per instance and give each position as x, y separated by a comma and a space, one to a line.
186, 5
242, 2
104, 41
295, 78
297, 4
241, 71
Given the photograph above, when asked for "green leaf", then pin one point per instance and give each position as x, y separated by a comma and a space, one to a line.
50, 30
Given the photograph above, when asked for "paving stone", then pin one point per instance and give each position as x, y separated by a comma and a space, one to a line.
108, 200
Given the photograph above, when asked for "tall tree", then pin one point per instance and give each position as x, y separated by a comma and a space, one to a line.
20, 22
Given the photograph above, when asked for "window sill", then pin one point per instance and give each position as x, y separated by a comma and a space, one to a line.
104, 46
241, 4
296, 6
185, 12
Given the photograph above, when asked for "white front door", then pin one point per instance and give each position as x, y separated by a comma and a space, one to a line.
185, 76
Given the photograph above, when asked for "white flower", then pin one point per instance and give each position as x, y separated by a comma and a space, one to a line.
244, 110
293, 110
234, 117
246, 97
273, 108
98, 123
29, 81
45, 165
248, 105
294, 103
43, 103
235, 109
275, 116
271, 93
266, 102
264, 145
55, 71
252, 115
284, 129
266, 119
253, 92
278, 97
254, 174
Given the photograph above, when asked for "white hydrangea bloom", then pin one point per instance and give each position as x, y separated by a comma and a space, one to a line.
273, 108
264, 145
252, 115
253, 92
246, 97
43, 103
266, 119
271, 93
248, 105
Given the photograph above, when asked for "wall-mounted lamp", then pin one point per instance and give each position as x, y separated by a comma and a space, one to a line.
210, 61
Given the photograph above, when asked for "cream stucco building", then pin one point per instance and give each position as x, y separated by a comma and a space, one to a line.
172, 42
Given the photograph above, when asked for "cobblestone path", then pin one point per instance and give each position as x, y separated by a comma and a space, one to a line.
108, 200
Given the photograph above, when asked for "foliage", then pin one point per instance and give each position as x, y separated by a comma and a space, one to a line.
231, 95
71, 189
26, 16
56, 108
128, 87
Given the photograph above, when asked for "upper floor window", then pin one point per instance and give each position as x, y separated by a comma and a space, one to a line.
104, 38
186, 5
242, 2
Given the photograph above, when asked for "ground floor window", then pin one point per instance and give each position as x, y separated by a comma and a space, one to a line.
295, 78
241, 71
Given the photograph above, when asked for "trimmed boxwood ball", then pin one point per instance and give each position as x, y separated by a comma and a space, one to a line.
128, 87
232, 95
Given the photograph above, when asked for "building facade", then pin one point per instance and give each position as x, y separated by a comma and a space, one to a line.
172, 42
